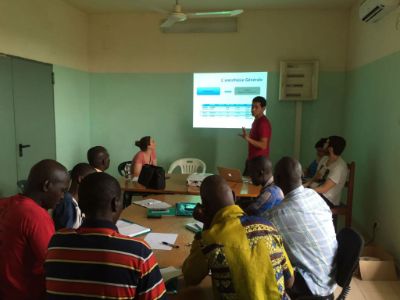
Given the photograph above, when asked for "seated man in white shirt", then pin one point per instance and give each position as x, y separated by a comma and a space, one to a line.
99, 158
332, 172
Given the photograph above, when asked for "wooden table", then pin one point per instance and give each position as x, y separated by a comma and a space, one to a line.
174, 257
176, 184
166, 224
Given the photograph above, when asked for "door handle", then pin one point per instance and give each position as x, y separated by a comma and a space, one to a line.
21, 149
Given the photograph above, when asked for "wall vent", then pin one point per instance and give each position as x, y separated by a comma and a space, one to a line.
298, 80
368, 17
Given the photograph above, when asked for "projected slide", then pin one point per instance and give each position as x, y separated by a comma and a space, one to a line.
223, 100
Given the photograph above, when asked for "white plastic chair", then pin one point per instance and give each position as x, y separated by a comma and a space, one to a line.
188, 165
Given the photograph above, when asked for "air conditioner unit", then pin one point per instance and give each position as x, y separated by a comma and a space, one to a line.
374, 10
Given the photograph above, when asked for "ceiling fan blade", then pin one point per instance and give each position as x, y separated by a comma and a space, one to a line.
173, 18
168, 23
215, 14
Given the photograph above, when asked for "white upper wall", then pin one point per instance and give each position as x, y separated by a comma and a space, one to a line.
54, 32
133, 43
45, 30
371, 41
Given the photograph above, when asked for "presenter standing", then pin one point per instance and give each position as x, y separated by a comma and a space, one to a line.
260, 134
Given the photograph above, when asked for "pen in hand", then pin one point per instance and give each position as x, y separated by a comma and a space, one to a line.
169, 244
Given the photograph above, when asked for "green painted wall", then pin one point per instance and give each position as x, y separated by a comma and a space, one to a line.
72, 112
8, 163
125, 107
372, 127
323, 117
115, 109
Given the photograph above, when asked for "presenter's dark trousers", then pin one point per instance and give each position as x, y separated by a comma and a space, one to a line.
246, 168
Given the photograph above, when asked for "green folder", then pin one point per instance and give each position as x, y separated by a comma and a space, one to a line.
154, 213
185, 208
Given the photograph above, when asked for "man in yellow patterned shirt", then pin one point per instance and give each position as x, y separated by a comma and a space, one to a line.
245, 254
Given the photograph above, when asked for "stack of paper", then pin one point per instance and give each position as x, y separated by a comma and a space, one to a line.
153, 204
195, 226
131, 229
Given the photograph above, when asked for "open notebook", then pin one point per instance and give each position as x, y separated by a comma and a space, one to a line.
131, 229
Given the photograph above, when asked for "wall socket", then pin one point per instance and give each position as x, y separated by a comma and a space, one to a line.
376, 225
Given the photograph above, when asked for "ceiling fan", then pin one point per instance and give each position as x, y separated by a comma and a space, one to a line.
177, 15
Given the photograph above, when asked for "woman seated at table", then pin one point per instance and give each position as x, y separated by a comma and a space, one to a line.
146, 155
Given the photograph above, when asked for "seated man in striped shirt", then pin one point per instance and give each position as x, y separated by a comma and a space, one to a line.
95, 261
244, 253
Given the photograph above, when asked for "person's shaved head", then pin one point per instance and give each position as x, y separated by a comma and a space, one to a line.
215, 194
98, 158
47, 182
260, 170
100, 197
79, 172
287, 174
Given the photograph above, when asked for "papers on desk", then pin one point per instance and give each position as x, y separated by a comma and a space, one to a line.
131, 229
196, 179
155, 240
153, 204
246, 179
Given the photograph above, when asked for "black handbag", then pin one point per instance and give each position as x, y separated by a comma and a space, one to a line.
152, 177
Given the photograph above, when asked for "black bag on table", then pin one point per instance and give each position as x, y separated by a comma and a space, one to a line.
152, 177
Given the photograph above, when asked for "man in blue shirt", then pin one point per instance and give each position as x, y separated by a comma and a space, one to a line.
67, 213
260, 171
321, 151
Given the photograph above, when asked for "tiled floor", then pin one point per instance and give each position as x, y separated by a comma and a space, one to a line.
373, 290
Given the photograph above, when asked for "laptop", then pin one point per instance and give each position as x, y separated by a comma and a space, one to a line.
230, 174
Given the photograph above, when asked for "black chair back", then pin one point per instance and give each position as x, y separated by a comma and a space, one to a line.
121, 167
350, 245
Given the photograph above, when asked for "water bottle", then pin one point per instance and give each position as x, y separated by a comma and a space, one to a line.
127, 171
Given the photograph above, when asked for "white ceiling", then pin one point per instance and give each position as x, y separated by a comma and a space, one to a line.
113, 6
